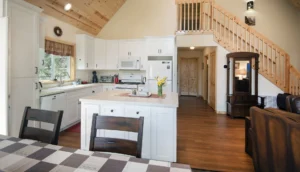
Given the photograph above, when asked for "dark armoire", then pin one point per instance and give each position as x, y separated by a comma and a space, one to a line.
242, 83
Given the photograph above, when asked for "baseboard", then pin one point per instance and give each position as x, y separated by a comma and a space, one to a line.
221, 112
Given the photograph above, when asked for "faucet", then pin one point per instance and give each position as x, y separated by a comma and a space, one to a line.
61, 81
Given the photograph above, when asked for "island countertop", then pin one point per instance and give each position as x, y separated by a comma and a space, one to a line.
170, 100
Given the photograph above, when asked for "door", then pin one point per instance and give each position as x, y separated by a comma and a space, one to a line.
163, 132
100, 53
193, 76
189, 76
212, 81
23, 27
112, 48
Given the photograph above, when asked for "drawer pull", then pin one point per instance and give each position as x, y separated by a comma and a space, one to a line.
93, 91
112, 111
137, 113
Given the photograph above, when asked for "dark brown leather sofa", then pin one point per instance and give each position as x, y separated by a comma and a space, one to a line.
275, 140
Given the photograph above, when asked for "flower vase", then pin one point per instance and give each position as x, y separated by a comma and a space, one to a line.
160, 91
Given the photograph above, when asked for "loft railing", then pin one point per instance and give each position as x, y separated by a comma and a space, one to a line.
204, 16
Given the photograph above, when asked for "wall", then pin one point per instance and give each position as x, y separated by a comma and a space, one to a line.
266, 88
278, 20
139, 18
69, 35
191, 54
1, 8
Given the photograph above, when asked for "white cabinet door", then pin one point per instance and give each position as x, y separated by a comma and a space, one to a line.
163, 134
81, 58
87, 111
136, 112
24, 92
160, 47
124, 50
100, 54
108, 88
84, 51
24, 41
71, 115
112, 54
90, 52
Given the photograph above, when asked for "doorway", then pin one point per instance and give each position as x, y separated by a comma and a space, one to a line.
189, 76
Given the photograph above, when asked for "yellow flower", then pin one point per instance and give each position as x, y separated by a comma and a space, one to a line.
161, 81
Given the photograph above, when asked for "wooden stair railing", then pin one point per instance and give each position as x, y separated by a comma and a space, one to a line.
204, 16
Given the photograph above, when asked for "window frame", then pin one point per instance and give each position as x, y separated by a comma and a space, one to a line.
72, 62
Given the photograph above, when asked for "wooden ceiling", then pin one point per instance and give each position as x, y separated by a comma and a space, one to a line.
87, 15
296, 3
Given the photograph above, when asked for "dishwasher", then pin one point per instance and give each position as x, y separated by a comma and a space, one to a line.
54, 102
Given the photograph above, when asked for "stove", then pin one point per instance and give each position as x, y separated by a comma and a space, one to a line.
129, 82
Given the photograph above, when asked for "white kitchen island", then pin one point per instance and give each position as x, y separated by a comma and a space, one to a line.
160, 121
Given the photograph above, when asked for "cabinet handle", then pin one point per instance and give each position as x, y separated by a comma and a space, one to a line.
96, 66
158, 51
93, 91
137, 113
36, 70
43, 62
36, 86
111, 111
87, 65
54, 98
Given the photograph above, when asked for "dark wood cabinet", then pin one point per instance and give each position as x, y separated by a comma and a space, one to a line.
242, 83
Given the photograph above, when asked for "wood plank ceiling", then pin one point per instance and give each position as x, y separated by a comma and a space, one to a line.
296, 3
87, 15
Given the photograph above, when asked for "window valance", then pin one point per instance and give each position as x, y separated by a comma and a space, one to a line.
57, 48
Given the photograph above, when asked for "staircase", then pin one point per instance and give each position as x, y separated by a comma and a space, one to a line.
206, 17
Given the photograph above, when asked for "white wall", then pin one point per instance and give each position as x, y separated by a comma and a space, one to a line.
69, 35
191, 54
278, 20
266, 88
139, 18
1, 8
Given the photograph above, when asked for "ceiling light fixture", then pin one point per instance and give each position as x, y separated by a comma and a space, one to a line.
68, 6
192, 48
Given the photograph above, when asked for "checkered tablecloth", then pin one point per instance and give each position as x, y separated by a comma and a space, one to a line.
17, 155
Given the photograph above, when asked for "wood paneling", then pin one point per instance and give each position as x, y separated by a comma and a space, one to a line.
87, 15
205, 140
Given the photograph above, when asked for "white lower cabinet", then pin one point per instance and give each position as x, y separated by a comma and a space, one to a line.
87, 111
159, 134
163, 134
136, 112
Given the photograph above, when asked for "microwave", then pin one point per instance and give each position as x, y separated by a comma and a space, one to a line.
130, 63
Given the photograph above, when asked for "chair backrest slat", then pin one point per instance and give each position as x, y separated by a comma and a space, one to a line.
123, 146
117, 123
38, 134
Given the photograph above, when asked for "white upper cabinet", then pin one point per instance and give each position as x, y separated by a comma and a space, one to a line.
84, 52
100, 54
133, 48
160, 46
24, 41
112, 54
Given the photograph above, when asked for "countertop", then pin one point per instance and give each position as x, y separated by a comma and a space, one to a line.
171, 99
69, 88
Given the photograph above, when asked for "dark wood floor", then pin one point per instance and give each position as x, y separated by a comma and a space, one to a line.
210, 141
205, 140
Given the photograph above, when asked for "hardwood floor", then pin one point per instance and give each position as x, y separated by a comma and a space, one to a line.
205, 140
210, 141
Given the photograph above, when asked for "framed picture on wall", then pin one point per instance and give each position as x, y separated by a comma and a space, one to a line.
250, 20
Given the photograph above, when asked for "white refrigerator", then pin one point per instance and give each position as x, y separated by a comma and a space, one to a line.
161, 68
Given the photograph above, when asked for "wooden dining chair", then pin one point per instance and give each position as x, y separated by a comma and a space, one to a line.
46, 136
116, 145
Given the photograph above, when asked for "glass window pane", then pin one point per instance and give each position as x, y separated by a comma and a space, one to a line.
45, 72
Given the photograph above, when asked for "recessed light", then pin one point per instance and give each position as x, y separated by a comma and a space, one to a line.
68, 6
192, 48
